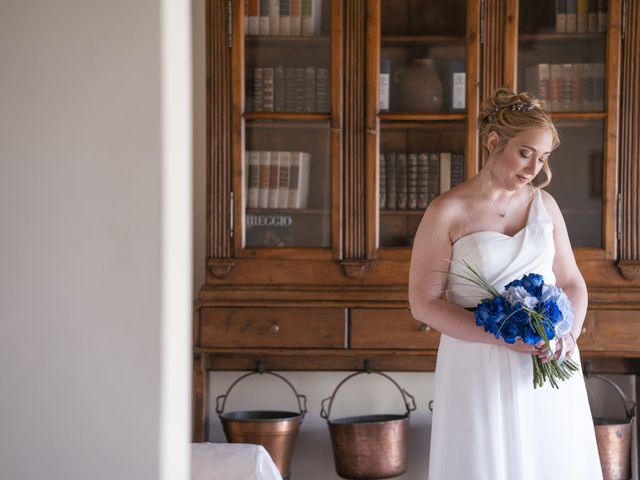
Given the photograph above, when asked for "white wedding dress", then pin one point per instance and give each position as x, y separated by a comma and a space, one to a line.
489, 423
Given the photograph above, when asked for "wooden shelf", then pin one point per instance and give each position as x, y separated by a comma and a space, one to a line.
422, 117
287, 116
288, 211
253, 41
408, 40
561, 37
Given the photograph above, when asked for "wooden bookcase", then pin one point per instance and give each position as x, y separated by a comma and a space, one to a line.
325, 287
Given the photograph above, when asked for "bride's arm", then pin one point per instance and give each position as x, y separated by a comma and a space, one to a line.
428, 278
565, 268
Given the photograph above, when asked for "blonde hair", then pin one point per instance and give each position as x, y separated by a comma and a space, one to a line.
509, 114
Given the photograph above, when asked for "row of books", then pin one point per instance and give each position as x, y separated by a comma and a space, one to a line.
581, 16
567, 86
277, 179
287, 89
283, 17
410, 181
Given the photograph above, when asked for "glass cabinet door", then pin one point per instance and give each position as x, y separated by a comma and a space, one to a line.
285, 59
562, 60
421, 110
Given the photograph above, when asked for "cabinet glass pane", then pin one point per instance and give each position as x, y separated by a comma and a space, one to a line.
422, 60
577, 181
416, 165
288, 184
561, 54
288, 56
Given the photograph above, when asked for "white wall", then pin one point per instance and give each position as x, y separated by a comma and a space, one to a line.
81, 271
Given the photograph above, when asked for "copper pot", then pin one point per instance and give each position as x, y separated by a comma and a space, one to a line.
613, 436
275, 430
370, 446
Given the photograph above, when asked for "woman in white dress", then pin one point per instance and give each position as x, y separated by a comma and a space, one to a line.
489, 423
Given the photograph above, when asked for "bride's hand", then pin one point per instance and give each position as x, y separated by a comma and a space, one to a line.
545, 355
521, 347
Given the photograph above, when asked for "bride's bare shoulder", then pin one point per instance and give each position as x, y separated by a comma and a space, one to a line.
455, 201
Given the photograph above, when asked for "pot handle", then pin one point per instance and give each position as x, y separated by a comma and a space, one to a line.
221, 400
409, 400
629, 405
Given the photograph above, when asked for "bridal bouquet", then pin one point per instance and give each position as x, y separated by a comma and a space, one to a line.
531, 310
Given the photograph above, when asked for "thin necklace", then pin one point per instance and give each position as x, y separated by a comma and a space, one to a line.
501, 212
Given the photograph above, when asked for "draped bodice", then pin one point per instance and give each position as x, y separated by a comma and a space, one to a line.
502, 258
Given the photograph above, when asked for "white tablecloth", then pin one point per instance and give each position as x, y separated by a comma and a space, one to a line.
231, 461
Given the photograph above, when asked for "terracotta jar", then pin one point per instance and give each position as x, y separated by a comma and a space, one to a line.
420, 87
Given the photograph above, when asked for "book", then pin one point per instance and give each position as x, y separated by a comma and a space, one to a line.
576, 87
274, 17
274, 178
267, 89
381, 181
598, 87
423, 180
384, 85
295, 17
588, 87
248, 90
278, 89
311, 17
538, 82
555, 96
284, 159
572, 16
566, 102
299, 170
561, 16
309, 100
257, 89
412, 181
458, 85
253, 161
253, 22
602, 15
445, 171
322, 90
401, 181
583, 15
285, 17
592, 16
246, 17
264, 20
433, 177
298, 90
264, 179
457, 169
390, 166
289, 89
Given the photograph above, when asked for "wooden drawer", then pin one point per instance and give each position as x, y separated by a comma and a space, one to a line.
611, 330
390, 328
272, 327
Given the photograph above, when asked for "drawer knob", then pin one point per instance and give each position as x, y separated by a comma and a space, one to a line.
423, 327
275, 328
584, 330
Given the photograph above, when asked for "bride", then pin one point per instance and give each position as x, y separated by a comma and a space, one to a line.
489, 423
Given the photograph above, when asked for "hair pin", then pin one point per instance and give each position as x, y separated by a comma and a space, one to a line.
522, 106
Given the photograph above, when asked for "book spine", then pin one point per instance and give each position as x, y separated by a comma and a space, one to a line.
384, 85
390, 165
274, 17
572, 16
457, 169
305, 171
295, 19
265, 17
556, 87
309, 100
254, 178
263, 186
576, 87
322, 89
583, 15
290, 89
285, 17
592, 16
257, 89
567, 87
561, 16
274, 177
445, 171
382, 183
412, 181
602, 15
278, 89
588, 87
598, 87
284, 159
246, 17
248, 90
433, 181
311, 17
458, 85
253, 27
267, 89
299, 90
299, 179
401, 181
423, 180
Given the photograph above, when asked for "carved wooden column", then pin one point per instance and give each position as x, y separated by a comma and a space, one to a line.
200, 398
498, 39
219, 139
629, 263
354, 138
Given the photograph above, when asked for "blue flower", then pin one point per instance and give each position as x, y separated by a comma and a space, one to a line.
532, 283
510, 332
491, 313
551, 311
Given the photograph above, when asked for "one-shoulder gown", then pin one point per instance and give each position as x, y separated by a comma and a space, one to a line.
489, 423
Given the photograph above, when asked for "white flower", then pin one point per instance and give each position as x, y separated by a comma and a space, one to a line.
555, 294
518, 295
